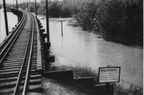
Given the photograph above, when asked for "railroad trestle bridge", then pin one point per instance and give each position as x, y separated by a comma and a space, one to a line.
23, 55
25, 58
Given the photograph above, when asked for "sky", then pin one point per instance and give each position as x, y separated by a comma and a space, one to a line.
19, 1
13, 1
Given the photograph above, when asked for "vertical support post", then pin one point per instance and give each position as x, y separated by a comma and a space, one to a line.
107, 87
23, 5
35, 8
27, 5
47, 21
29, 2
6, 21
61, 28
16, 5
13, 4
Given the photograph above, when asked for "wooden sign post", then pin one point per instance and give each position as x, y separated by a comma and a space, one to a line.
109, 75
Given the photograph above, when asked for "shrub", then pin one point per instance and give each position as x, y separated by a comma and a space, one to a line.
132, 90
86, 15
121, 20
65, 11
54, 9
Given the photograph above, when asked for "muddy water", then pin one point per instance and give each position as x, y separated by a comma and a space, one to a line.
82, 48
12, 20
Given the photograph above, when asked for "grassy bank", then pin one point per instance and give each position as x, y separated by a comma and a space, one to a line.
119, 88
63, 87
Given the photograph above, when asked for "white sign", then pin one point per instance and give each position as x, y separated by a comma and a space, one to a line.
109, 74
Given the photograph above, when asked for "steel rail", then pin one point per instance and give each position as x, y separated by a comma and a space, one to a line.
12, 35
20, 54
29, 61
22, 68
28, 49
12, 40
9, 37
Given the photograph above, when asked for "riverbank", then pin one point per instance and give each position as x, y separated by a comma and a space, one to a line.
68, 87
83, 72
121, 40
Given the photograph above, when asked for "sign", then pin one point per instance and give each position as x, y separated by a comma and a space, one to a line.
109, 74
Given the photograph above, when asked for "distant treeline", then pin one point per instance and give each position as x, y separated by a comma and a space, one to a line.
116, 20
57, 9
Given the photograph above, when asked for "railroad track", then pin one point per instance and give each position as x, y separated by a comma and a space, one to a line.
18, 59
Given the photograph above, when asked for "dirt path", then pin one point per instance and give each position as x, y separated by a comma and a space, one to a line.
52, 87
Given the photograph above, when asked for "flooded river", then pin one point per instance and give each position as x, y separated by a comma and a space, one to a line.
12, 21
82, 48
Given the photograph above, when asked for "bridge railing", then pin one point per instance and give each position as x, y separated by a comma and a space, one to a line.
44, 48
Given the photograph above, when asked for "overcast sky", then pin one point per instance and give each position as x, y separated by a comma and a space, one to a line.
19, 1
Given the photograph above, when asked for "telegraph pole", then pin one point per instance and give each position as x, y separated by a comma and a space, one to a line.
13, 4
27, 5
16, 5
35, 8
47, 21
6, 21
